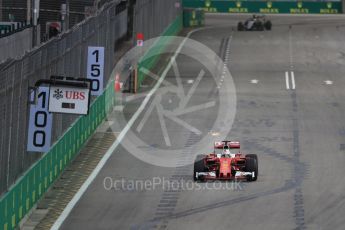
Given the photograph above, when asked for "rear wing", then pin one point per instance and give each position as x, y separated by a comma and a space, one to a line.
229, 144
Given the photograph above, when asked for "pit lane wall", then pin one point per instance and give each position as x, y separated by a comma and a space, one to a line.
266, 7
30, 187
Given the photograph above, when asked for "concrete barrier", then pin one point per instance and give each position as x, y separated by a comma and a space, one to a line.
16, 44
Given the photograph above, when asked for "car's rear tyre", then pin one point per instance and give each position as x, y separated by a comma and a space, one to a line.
268, 25
240, 26
199, 165
251, 166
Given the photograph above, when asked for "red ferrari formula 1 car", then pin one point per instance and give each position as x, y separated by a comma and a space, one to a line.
222, 164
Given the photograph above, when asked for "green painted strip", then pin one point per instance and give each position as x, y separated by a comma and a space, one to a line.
2, 215
266, 7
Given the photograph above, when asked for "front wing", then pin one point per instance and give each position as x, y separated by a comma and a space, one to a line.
213, 176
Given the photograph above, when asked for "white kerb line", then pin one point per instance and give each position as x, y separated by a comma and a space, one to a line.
287, 80
122, 134
293, 80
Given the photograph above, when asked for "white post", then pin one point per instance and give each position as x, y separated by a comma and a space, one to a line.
67, 14
0, 10
35, 17
28, 12
63, 16
36, 11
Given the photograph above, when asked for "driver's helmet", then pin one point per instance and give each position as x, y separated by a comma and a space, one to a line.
226, 150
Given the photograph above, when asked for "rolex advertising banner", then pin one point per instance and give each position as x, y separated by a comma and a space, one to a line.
265, 7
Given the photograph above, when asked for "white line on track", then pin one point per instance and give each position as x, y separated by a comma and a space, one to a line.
328, 82
122, 134
293, 80
226, 60
287, 80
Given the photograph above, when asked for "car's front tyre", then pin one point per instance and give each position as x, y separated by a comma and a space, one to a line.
240, 26
199, 165
252, 166
268, 25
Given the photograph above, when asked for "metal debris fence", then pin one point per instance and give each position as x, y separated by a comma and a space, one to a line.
25, 176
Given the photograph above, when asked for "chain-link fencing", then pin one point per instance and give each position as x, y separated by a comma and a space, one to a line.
66, 55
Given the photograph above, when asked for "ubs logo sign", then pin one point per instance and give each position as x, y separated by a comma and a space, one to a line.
58, 94
75, 95
69, 95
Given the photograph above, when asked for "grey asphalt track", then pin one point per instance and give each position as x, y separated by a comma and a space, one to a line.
297, 134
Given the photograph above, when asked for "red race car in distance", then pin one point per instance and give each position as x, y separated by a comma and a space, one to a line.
223, 164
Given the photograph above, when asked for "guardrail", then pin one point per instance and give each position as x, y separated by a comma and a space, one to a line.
266, 7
